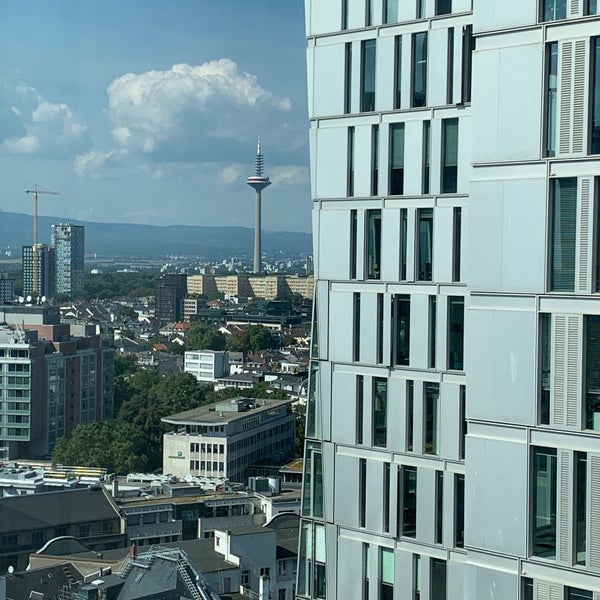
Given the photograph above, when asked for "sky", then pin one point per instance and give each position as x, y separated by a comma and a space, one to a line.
148, 111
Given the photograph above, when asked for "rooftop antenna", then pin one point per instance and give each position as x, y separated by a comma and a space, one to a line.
36, 191
259, 182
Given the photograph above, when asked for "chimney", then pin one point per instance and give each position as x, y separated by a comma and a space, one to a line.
132, 552
115, 488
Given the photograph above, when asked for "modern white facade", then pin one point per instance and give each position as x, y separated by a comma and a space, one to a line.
452, 448
206, 365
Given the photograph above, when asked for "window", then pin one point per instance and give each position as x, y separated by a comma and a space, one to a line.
425, 244
348, 78
432, 418
353, 241
456, 328
449, 156
359, 408
312, 481
416, 569
362, 492
369, 13
575, 594
311, 561
580, 521
591, 372
245, 578
553, 10
595, 94
443, 7
450, 67
545, 333
438, 579
401, 320
350, 163
592, 7
391, 11
468, 45
403, 242
281, 594
462, 433
356, 327
407, 479
386, 497
365, 570
344, 14
397, 71
563, 234
439, 507
380, 309
367, 76
551, 97
544, 502
527, 588
456, 242
410, 414
419, 70
426, 157
396, 159
421, 9
379, 411
373, 244
459, 511
374, 159
386, 570
313, 408
432, 331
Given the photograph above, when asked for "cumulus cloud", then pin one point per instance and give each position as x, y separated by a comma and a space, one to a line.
94, 165
32, 125
289, 175
231, 174
192, 112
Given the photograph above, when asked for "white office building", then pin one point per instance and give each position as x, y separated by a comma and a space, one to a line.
206, 365
452, 422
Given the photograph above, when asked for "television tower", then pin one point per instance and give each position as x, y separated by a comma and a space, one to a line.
259, 182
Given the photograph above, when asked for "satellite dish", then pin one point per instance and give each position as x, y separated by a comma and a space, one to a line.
44, 299
11, 569
29, 298
21, 299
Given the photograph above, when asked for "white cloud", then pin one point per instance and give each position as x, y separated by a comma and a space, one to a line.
40, 127
94, 164
186, 113
230, 174
289, 175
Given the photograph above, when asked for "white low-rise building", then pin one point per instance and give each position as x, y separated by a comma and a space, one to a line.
207, 365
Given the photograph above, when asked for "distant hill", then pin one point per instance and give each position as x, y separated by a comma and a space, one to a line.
124, 239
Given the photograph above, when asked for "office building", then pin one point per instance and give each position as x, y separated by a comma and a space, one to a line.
7, 288
452, 421
42, 259
223, 439
69, 246
170, 292
206, 365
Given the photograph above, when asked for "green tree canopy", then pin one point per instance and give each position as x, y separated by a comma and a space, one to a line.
200, 337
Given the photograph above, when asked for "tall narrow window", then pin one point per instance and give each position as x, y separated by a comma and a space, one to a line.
468, 45
456, 332
456, 243
439, 506
311, 561
374, 159
353, 241
312, 481
432, 418
397, 71
369, 13
379, 411
416, 572
396, 159
365, 569
592, 373
527, 588
344, 14
425, 244
592, 7
314, 350
391, 11
421, 9
409, 501
545, 332
403, 242
552, 97
438, 579
348, 77
410, 414
362, 492
553, 10
450, 67
426, 157
580, 488
443, 7
356, 327
350, 163
544, 502
462, 433
386, 497
319, 591
596, 192
380, 305
432, 331
313, 404
419, 69
563, 234
386, 568
367, 76
449, 156
595, 100
402, 329
373, 244
360, 408
459, 511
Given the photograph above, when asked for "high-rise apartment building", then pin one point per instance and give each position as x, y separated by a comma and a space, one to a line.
68, 243
170, 291
453, 415
44, 283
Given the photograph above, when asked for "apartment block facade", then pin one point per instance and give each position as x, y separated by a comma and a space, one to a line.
453, 414
68, 241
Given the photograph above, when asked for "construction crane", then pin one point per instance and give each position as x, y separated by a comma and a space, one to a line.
36, 191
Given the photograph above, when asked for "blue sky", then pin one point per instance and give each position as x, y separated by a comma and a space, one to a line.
147, 111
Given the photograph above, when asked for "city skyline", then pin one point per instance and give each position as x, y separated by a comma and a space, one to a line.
145, 113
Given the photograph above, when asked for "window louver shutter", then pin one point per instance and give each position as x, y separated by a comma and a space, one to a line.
565, 468
548, 591
593, 533
575, 9
585, 235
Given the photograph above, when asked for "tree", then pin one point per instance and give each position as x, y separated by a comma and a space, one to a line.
123, 312
260, 338
200, 337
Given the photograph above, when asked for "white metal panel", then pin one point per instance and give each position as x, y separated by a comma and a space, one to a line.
340, 326
384, 74
443, 242
426, 505
437, 66
450, 417
331, 157
350, 552
334, 234
406, 71
499, 15
390, 245
369, 327
362, 161
356, 13
397, 414
419, 320
328, 84
324, 17
374, 514
345, 485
